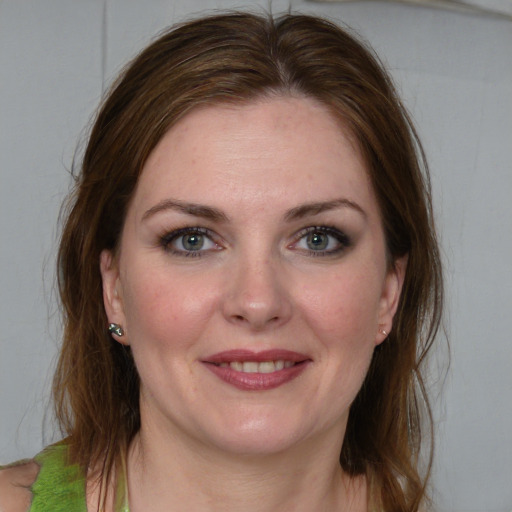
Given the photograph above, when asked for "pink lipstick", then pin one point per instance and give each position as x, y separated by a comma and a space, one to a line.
257, 371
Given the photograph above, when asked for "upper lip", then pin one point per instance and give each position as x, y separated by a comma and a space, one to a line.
243, 355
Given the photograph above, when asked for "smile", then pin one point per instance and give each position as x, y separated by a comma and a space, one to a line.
255, 367
257, 371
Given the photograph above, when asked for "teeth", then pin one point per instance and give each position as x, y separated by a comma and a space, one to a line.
250, 367
255, 367
236, 365
267, 367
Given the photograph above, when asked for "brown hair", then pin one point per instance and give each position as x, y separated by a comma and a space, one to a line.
239, 57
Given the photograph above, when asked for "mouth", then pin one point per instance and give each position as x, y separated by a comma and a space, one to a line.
257, 371
256, 367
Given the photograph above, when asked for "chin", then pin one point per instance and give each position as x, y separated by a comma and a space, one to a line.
261, 436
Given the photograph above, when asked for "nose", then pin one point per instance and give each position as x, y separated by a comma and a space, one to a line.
256, 295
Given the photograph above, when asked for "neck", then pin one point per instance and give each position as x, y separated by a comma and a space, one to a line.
164, 474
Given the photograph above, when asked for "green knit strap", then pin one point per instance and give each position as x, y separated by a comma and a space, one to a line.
59, 487
121, 503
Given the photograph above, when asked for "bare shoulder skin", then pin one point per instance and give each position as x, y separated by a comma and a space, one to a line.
15, 483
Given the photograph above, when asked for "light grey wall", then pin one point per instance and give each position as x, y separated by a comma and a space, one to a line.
50, 81
455, 73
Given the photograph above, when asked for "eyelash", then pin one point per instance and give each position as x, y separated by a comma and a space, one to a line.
343, 241
167, 240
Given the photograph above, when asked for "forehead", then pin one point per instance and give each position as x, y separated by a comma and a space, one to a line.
282, 149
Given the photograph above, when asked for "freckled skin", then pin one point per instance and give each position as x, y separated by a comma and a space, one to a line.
256, 287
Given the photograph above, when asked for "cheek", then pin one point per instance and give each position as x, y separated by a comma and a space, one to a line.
340, 313
343, 306
164, 309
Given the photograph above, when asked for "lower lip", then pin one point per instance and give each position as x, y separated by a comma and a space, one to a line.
257, 381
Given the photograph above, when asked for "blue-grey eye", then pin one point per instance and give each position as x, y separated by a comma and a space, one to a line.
189, 241
322, 241
317, 241
192, 241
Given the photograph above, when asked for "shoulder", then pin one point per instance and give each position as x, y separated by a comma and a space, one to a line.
15, 486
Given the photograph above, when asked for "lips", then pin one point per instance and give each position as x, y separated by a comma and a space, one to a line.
256, 367
257, 371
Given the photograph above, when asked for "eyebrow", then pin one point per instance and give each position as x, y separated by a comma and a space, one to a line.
197, 210
311, 209
214, 214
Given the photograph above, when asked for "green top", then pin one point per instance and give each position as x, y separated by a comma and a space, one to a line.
60, 487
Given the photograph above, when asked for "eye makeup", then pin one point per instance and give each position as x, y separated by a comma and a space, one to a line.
198, 241
321, 241
189, 241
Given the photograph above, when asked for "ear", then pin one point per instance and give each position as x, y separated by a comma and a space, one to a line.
390, 297
112, 293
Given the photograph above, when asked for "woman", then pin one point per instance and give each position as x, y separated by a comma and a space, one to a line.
250, 282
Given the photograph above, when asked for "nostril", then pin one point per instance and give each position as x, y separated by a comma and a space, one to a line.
242, 318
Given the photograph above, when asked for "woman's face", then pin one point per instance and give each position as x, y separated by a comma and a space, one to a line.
252, 280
